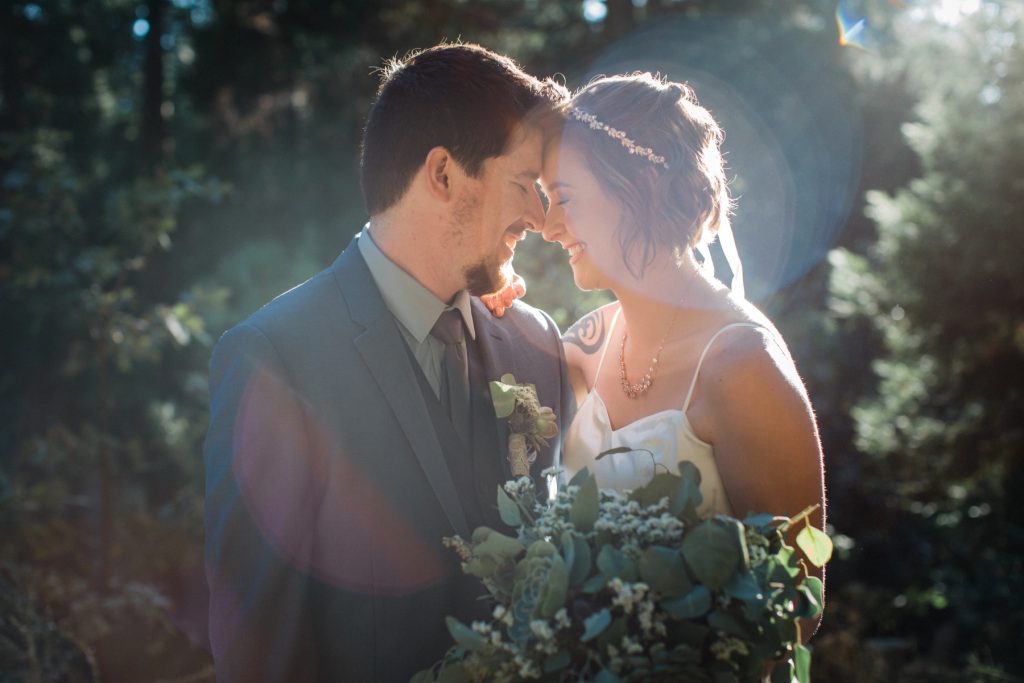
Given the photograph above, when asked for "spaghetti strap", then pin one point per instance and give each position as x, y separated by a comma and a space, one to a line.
707, 347
604, 351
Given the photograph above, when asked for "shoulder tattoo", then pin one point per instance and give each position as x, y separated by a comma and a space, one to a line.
587, 333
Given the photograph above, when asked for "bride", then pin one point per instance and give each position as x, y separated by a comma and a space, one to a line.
679, 366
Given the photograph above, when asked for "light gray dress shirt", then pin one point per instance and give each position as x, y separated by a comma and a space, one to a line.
415, 308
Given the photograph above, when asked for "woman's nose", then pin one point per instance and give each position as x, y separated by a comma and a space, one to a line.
535, 213
553, 224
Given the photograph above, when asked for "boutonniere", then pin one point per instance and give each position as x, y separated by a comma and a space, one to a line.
531, 423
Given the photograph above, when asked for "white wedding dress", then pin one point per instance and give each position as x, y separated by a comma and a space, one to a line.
667, 434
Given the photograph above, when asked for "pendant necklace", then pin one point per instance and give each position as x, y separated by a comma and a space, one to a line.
638, 389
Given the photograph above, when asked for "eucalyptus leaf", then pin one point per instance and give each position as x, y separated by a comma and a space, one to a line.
613, 635
728, 622
568, 550
606, 676
760, 520
559, 660
744, 586
579, 477
811, 591
582, 561
613, 563
688, 496
816, 544
595, 624
594, 584
664, 485
504, 398
662, 569
694, 604
553, 594
802, 663
464, 635
711, 551
788, 561
584, 510
508, 509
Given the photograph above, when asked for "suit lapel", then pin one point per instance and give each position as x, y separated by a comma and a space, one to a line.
495, 347
388, 360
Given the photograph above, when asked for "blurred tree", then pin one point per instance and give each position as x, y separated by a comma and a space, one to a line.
941, 529
101, 507
121, 261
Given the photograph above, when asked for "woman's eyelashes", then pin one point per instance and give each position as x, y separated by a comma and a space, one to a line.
551, 199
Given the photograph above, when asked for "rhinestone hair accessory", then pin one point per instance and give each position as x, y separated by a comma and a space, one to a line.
615, 133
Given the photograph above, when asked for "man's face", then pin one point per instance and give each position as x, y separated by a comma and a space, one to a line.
495, 211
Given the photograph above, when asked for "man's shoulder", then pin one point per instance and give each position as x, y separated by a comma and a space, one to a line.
298, 312
528, 320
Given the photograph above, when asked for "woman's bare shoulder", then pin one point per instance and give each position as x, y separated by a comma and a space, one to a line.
587, 336
753, 363
583, 342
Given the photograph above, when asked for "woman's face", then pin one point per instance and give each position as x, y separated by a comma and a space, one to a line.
582, 218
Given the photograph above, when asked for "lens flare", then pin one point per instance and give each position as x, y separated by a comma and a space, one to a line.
792, 133
852, 30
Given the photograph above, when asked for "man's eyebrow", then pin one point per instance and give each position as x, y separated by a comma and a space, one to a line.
558, 185
528, 175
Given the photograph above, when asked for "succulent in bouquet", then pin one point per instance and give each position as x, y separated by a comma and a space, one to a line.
602, 586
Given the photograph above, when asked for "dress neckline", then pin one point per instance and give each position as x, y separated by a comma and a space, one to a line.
687, 427
685, 421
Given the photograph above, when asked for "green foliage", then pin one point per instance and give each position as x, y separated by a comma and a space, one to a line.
665, 596
122, 259
30, 642
816, 545
942, 434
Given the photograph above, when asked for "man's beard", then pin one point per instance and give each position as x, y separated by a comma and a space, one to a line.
488, 276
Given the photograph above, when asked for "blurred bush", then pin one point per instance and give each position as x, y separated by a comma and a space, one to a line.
168, 166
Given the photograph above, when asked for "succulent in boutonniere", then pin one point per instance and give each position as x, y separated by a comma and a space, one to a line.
598, 585
531, 423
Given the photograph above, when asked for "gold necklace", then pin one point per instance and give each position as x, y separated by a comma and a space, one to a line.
637, 390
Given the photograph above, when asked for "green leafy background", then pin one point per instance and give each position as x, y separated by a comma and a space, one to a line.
168, 165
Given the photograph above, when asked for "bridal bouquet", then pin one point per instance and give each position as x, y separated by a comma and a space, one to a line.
602, 586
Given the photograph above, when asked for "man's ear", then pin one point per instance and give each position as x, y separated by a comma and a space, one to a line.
441, 170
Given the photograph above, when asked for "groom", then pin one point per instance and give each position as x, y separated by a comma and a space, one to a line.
351, 427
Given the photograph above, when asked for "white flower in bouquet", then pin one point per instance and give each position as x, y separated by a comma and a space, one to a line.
608, 587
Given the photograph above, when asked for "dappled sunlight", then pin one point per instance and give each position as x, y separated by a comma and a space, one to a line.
169, 166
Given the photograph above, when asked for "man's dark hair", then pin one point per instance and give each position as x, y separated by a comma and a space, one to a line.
462, 97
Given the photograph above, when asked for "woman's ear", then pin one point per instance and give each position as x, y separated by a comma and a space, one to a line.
440, 168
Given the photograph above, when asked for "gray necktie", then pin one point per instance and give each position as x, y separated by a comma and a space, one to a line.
454, 392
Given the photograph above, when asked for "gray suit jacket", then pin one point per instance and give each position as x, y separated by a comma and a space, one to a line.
329, 482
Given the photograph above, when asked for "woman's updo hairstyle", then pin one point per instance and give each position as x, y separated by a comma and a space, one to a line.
677, 208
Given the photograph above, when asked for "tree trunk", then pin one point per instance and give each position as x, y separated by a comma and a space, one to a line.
151, 137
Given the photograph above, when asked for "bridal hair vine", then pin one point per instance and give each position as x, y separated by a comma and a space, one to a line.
615, 133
